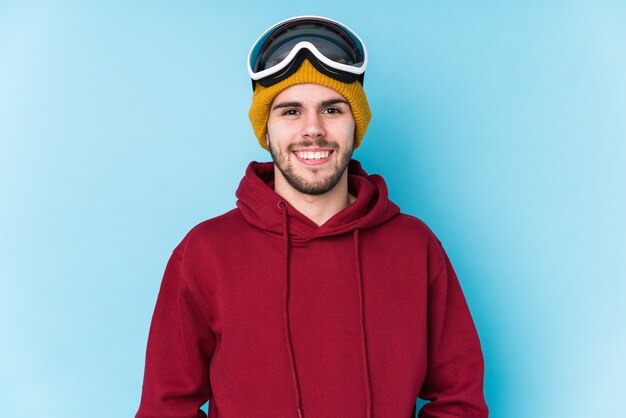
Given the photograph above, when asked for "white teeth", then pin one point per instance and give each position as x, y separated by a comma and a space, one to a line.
309, 155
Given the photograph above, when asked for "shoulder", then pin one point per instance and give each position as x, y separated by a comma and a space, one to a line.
413, 222
409, 234
217, 224
412, 226
213, 230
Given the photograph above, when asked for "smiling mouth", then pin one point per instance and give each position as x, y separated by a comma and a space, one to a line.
313, 155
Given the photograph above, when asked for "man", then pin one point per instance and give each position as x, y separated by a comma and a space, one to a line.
315, 297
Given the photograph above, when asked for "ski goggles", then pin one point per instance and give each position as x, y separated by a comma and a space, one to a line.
332, 48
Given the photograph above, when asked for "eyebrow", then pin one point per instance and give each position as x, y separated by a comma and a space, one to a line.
299, 105
334, 101
287, 104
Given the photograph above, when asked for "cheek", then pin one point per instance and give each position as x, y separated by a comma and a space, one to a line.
348, 131
272, 134
277, 130
270, 127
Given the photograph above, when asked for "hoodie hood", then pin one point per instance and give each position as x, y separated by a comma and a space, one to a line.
260, 205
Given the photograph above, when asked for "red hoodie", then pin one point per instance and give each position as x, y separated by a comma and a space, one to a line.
265, 314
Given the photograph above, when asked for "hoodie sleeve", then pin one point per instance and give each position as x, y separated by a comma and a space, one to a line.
180, 345
454, 379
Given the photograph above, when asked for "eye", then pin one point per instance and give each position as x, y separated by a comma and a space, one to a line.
333, 111
290, 112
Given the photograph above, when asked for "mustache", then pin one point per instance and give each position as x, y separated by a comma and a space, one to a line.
320, 143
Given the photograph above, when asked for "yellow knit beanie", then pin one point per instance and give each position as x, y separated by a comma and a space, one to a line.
353, 92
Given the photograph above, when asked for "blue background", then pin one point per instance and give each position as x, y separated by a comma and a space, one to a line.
500, 124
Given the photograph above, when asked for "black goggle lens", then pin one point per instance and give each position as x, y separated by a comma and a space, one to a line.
336, 45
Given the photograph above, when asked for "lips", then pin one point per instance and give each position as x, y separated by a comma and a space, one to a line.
313, 155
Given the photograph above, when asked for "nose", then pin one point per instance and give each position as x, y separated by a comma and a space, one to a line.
313, 127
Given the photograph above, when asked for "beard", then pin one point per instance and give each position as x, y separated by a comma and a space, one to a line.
319, 185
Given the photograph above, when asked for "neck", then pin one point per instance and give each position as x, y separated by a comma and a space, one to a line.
318, 208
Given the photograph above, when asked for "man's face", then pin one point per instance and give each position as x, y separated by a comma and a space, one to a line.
311, 134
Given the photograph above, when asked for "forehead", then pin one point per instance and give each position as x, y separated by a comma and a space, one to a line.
307, 93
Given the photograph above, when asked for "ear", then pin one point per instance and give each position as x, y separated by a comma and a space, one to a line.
267, 138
